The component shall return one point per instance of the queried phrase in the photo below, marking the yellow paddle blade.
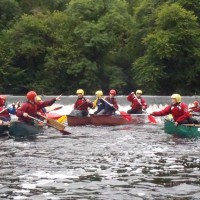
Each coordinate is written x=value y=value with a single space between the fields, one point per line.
x=56 y=124
x=62 y=119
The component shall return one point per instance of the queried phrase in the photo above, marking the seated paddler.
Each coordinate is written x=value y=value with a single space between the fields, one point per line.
x=138 y=104
x=81 y=105
x=195 y=107
x=111 y=103
x=6 y=110
x=40 y=101
x=31 y=107
x=99 y=103
x=178 y=110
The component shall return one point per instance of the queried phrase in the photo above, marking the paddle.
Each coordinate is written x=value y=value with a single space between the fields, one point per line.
x=191 y=125
x=57 y=108
x=195 y=114
x=5 y=109
x=62 y=119
x=125 y=115
x=150 y=117
x=53 y=122
x=62 y=131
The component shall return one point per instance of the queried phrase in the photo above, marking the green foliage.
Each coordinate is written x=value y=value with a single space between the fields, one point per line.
x=33 y=6
x=9 y=10
x=57 y=46
x=172 y=51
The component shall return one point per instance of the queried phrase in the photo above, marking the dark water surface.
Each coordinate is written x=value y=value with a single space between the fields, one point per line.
x=136 y=162
x=129 y=162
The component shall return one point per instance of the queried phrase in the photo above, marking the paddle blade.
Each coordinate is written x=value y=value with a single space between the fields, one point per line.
x=125 y=115
x=62 y=119
x=152 y=119
x=65 y=132
x=56 y=124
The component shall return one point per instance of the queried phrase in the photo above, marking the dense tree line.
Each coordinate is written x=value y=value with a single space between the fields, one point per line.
x=57 y=46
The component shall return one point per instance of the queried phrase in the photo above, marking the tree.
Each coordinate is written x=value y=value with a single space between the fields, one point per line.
x=9 y=10
x=171 y=48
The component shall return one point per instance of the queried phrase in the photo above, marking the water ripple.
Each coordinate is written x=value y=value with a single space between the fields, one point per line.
x=125 y=162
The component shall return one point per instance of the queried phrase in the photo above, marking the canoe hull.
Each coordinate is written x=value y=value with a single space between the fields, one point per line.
x=115 y=120
x=103 y=120
x=78 y=121
x=54 y=116
x=20 y=129
x=181 y=130
x=3 y=129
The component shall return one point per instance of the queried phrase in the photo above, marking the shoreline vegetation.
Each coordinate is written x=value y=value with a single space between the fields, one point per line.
x=58 y=46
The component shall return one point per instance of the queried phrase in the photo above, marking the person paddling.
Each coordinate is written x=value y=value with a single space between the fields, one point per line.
x=81 y=105
x=99 y=103
x=195 y=107
x=6 y=110
x=138 y=103
x=110 y=110
x=31 y=107
x=40 y=101
x=179 y=111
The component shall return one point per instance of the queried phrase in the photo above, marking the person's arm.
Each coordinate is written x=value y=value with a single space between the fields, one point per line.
x=21 y=110
x=89 y=103
x=130 y=97
x=144 y=105
x=163 y=112
x=185 y=115
x=115 y=104
x=46 y=103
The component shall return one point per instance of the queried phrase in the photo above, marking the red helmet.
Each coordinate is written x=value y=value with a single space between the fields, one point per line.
x=113 y=92
x=31 y=95
x=196 y=103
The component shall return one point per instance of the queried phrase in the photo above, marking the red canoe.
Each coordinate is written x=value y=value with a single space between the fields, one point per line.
x=104 y=120
x=114 y=120
x=53 y=116
x=78 y=121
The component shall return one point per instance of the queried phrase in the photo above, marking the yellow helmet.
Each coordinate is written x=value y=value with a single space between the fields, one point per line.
x=177 y=97
x=99 y=93
x=38 y=98
x=80 y=91
x=139 y=92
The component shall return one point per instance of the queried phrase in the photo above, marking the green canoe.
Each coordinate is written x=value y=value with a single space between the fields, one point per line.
x=3 y=128
x=188 y=131
x=20 y=129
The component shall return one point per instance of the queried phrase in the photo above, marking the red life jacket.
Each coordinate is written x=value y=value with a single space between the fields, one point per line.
x=135 y=104
x=112 y=101
x=31 y=109
x=82 y=104
x=5 y=113
x=179 y=112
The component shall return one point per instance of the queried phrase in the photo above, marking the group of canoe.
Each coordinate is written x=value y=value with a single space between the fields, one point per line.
x=32 y=114
x=181 y=122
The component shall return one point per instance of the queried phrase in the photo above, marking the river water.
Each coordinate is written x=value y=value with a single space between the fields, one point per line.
x=136 y=162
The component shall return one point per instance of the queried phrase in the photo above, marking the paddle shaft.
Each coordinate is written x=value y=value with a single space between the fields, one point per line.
x=5 y=109
x=197 y=125
x=63 y=131
x=125 y=115
x=150 y=117
x=57 y=108
x=109 y=104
